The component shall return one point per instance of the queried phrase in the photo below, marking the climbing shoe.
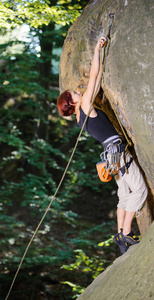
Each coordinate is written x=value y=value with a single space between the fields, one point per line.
x=122 y=245
x=129 y=238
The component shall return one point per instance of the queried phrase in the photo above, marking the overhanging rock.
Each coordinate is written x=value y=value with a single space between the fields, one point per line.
x=128 y=71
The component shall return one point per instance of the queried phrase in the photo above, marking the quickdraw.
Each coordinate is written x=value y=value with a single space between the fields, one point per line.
x=110 y=163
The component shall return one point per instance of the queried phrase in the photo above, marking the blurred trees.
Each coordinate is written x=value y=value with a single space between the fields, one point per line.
x=36 y=144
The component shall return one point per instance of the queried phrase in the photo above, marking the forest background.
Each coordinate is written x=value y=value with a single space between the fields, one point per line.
x=36 y=143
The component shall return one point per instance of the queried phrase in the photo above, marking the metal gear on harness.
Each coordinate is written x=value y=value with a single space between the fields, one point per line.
x=110 y=163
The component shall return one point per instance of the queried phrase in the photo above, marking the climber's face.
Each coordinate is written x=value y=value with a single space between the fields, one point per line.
x=76 y=96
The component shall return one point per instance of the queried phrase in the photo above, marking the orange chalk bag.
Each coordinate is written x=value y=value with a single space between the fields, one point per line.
x=102 y=172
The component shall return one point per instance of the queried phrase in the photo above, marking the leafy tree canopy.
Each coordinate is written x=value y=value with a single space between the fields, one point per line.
x=38 y=12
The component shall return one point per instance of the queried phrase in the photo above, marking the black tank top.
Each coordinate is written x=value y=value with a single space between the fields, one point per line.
x=98 y=127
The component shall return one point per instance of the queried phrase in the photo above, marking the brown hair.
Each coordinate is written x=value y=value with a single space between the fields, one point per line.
x=65 y=104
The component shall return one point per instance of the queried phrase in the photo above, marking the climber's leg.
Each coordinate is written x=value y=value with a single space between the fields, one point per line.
x=132 y=190
x=120 y=218
x=120 y=221
x=129 y=215
x=125 y=235
x=122 y=245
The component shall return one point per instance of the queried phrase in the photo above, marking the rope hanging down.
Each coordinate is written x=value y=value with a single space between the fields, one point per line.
x=70 y=159
x=54 y=196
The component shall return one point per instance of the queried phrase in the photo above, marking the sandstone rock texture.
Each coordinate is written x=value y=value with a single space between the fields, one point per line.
x=128 y=66
x=131 y=277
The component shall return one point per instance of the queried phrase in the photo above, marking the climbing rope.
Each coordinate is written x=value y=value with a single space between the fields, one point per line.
x=72 y=154
x=54 y=196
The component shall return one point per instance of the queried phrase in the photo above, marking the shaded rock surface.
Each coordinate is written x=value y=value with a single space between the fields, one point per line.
x=128 y=66
x=130 y=277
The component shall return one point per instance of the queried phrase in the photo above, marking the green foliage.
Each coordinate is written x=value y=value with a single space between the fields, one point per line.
x=86 y=263
x=77 y=289
x=36 y=144
x=92 y=265
x=37 y=13
x=106 y=243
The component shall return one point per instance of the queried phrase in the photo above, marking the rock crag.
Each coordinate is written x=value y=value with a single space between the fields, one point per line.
x=131 y=276
x=128 y=75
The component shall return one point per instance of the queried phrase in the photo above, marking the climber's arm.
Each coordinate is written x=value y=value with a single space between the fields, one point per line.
x=98 y=81
x=94 y=78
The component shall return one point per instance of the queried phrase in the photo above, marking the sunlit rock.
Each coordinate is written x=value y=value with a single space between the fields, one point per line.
x=128 y=66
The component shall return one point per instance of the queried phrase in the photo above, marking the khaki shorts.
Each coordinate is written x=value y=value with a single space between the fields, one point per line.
x=132 y=190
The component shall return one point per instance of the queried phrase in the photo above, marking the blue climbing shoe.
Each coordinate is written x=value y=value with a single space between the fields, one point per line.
x=122 y=245
x=130 y=238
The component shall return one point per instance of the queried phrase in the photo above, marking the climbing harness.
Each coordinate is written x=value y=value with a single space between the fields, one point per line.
x=111 y=156
x=106 y=174
x=110 y=163
x=110 y=159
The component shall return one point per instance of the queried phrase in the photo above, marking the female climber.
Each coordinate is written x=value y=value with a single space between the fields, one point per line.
x=132 y=190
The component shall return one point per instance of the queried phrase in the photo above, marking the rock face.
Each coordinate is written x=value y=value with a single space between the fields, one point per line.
x=131 y=277
x=129 y=84
x=128 y=65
